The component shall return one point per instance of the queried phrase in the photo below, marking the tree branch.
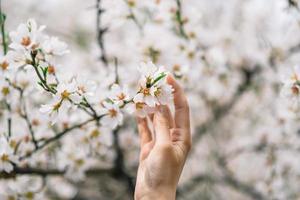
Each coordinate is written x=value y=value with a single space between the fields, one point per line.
x=101 y=32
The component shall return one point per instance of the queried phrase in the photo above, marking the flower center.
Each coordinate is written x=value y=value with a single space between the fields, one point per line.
x=95 y=133
x=4 y=158
x=5 y=91
x=26 y=41
x=51 y=69
x=121 y=96
x=157 y=92
x=56 y=106
x=65 y=94
x=176 y=67
x=139 y=106
x=79 y=162
x=29 y=195
x=35 y=122
x=112 y=113
x=295 y=90
x=146 y=91
x=4 y=65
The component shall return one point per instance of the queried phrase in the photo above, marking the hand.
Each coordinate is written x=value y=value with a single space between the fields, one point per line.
x=163 y=152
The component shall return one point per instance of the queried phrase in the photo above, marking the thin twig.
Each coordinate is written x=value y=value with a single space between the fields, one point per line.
x=101 y=32
x=60 y=135
x=179 y=20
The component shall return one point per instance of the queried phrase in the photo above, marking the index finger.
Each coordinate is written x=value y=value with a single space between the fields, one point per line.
x=182 y=114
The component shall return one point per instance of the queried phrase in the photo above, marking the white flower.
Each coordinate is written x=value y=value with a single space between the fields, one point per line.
x=140 y=109
x=7 y=156
x=291 y=88
x=27 y=37
x=119 y=95
x=163 y=92
x=67 y=91
x=53 y=46
x=5 y=66
x=150 y=70
x=65 y=97
x=112 y=115
x=146 y=95
x=86 y=88
x=19 y=59
x=153 y=87
x=5 y=89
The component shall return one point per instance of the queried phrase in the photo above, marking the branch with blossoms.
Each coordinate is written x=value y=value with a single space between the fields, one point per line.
x=32 y=49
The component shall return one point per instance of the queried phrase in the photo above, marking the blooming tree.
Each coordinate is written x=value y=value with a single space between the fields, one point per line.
x=67 y=111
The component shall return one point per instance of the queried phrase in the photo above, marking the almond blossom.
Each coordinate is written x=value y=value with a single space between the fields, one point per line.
x=7 y=157
x=112 y=115
x=291 y=88
x=27 y=37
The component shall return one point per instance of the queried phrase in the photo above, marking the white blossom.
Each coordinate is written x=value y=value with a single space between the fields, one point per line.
x=7 y=157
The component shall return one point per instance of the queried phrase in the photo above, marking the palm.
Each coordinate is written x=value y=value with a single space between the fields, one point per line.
x=164 y=151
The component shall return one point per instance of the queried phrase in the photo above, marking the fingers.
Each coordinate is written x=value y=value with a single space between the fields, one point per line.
x=182 y=116
x=170 y=118
x=162 y=125
x=144 y=131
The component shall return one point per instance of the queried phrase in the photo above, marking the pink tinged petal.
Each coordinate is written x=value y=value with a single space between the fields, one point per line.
x=150 y=101
x=138 y=98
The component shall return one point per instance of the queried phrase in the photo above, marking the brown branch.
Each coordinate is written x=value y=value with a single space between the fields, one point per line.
x=179 y=20
x=48 y=172
x=119 y=165
x=60 y=135
x=101 y=32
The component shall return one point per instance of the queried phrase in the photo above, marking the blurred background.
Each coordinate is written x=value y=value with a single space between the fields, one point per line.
x=231 y=56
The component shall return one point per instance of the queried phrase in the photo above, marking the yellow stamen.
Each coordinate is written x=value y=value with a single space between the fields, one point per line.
x=95 y=133
x=4 y=158
x=65 y=94
x=4 y=65
x=112 y=113
x=146 y=91
x=5 y=91
x=121 y=96
x=139 y=106
x=26 y=41
x=79 y=162
x=157 y=92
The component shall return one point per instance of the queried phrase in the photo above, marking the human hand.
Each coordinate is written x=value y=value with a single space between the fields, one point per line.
x=163 y=152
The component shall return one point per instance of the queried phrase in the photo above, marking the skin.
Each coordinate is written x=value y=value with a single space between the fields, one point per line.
x=164 y=149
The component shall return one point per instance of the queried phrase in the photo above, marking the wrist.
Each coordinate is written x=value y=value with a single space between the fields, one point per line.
x=161 y=194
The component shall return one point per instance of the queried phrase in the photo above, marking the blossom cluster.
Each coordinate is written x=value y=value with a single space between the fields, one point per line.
x=36 y=54
x=65 y=116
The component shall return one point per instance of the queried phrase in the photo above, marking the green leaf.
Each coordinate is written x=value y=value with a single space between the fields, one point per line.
x=161 y=76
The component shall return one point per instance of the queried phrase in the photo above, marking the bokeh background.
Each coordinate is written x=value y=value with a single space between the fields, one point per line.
x=231 y=57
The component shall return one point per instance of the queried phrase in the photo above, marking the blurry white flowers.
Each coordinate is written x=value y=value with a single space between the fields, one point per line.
x=291 y=88
x=53 y=46
x=7 y=156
